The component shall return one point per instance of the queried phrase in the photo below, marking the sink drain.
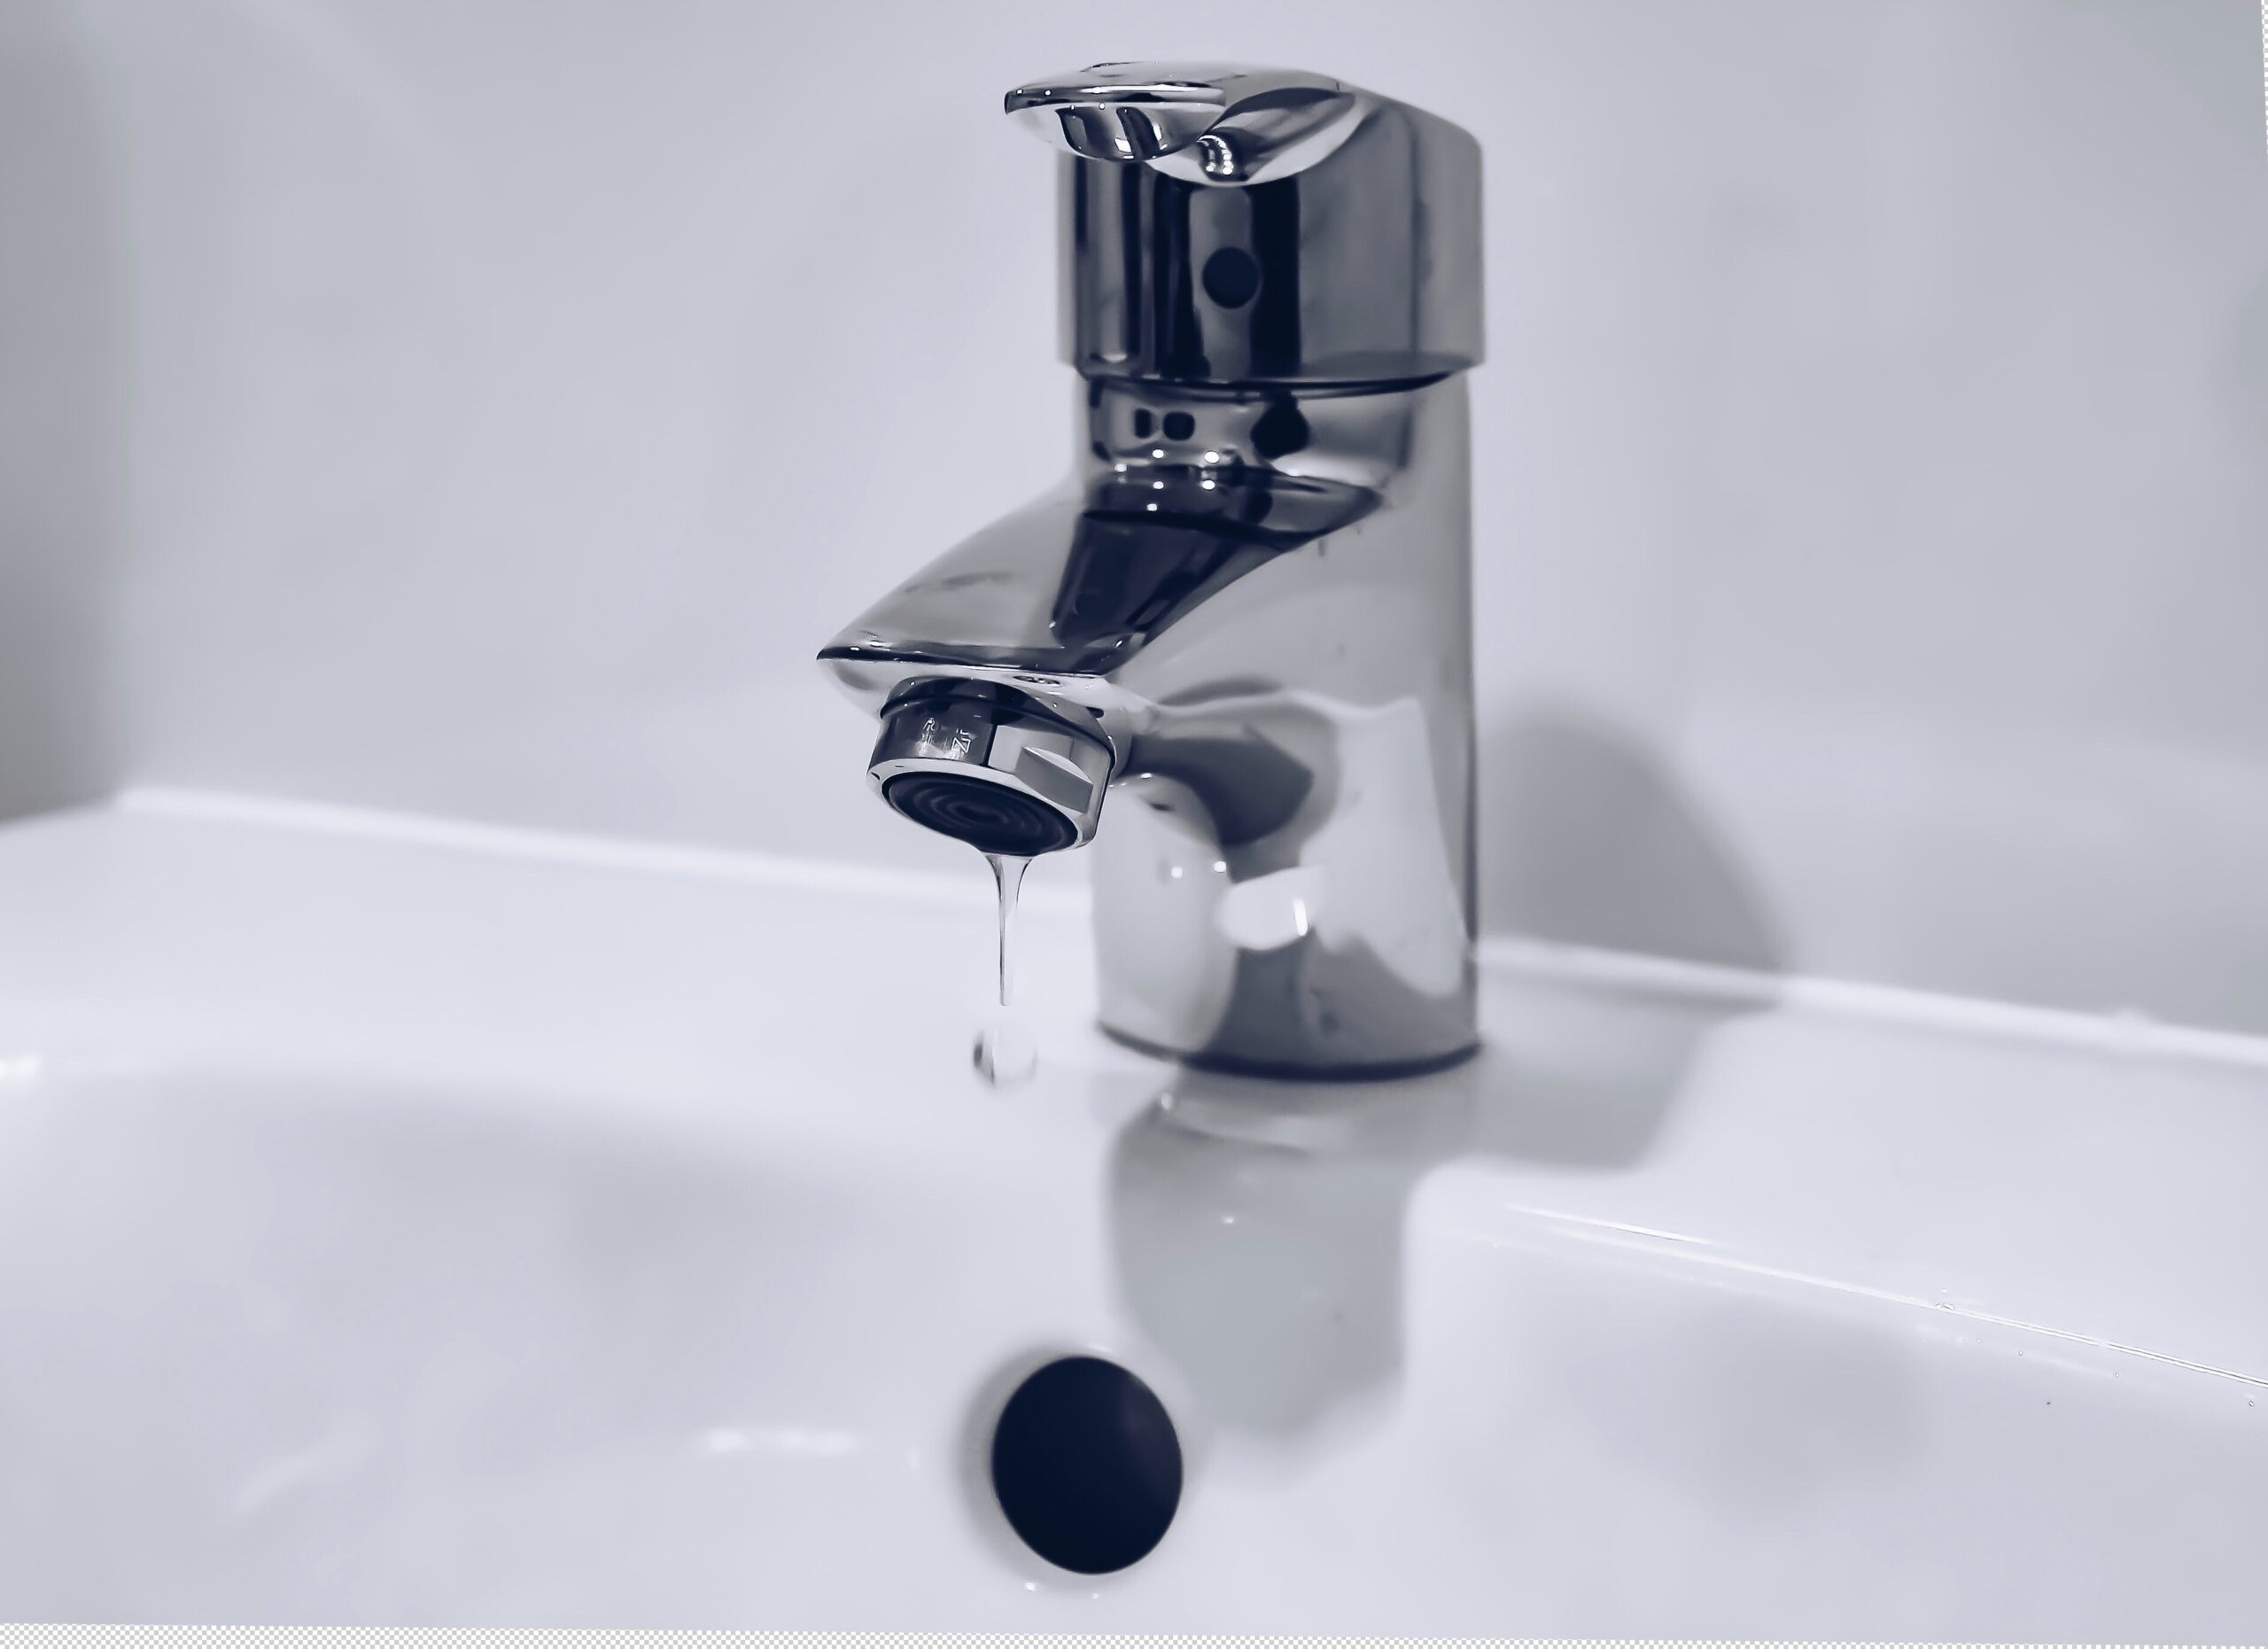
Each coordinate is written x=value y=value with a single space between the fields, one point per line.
x=1086 y=1465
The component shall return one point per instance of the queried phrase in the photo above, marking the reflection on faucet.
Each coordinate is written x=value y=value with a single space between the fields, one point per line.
x=1295 y=844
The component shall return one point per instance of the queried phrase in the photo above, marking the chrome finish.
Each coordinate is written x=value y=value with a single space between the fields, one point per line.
x=1258 y=226
x=1244 y=124
x=1248 y=607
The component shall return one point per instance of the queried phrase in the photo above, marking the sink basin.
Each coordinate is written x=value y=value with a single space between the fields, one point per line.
x=414 y=1224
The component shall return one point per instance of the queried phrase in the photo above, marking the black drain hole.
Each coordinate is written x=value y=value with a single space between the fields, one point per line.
x=1086 y=1465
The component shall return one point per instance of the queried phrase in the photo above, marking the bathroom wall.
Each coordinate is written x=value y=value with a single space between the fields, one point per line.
x=485 y=408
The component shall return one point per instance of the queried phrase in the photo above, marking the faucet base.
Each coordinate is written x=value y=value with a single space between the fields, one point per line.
x=1275 y=1070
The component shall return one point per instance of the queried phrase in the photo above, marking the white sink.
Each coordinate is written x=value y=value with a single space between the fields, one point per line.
x=402 y=1231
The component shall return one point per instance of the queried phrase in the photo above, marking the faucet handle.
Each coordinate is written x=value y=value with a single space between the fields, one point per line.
x=1203 y=123
x=1230 y=225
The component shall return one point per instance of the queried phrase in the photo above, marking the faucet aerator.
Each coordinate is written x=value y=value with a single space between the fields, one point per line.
x=990 y=818
x=987 y=767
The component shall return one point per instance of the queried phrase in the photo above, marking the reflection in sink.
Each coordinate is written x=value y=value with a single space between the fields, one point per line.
x=1604 y=1422
x=305 y=1353
x=475 y=1272
x=1258 y=1227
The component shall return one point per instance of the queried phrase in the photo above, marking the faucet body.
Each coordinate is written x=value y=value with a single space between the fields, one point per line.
x=1246 y=615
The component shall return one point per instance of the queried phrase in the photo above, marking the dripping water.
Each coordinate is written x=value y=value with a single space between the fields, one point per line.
x=1006 y=1053
x=1007 y=881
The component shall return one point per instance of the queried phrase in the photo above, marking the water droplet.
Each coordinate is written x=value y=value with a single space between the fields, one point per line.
x=1005 y=1055
x=1006 y=1052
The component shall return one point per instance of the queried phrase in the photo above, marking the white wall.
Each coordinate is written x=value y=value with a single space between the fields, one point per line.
x=486 y=408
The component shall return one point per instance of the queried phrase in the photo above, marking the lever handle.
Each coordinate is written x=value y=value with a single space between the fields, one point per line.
x=1223 y=224
x=1203 y=123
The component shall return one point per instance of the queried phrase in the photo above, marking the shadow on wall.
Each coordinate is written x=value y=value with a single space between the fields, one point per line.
x=1258 y=1227
x=1589 y=839
x=61 y=423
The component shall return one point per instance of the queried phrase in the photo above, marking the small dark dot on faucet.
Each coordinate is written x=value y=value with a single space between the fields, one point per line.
x=1180 y=426
x=1231 y=277
x=1142 y=423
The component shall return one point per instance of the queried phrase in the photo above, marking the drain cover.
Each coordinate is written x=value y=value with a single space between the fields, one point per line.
x=1086 y=1465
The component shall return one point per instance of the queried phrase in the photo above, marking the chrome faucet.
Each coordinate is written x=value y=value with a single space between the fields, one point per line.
x=1247 y=614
